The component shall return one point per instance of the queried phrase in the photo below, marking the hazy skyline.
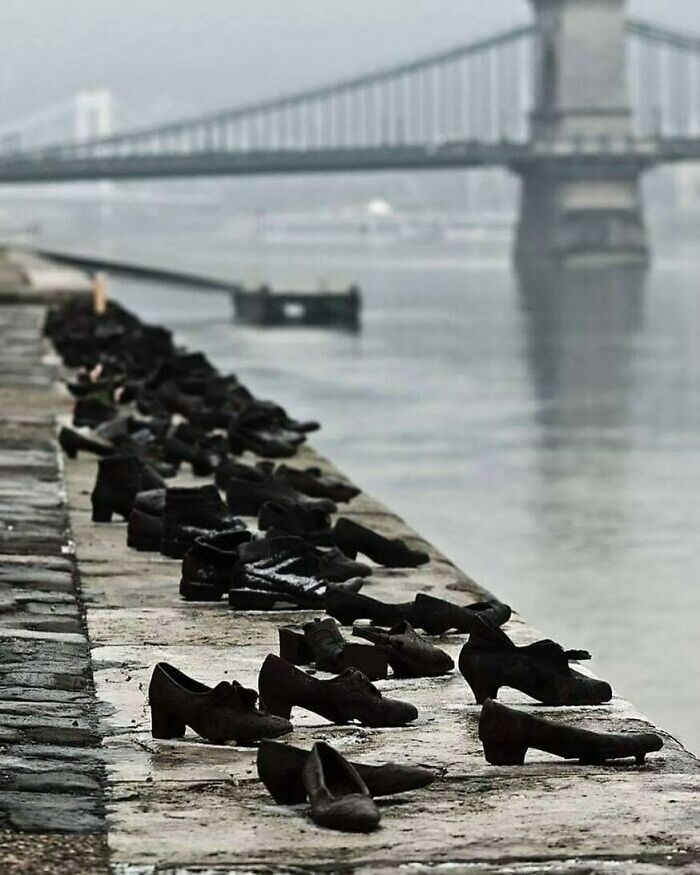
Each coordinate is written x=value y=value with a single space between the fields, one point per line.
x=174 y=57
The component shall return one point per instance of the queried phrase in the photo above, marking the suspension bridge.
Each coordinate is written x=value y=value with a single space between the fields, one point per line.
x=578 y=104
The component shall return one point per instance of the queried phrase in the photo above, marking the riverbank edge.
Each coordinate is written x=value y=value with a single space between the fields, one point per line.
x=132 y=608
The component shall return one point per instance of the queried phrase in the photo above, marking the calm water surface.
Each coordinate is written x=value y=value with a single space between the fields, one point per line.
x=546 y=437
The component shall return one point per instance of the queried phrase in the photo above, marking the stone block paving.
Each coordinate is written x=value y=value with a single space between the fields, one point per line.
x=51 y=769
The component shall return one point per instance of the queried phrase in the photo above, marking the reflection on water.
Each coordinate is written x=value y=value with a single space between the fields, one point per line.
x=544 y=432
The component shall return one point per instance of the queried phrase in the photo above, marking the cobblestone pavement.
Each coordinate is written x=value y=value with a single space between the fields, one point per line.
x=190 y=807
x=51 y=770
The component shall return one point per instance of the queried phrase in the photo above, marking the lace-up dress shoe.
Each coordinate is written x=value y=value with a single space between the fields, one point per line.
x=347 y=607
x=73 y=442
x=332 y=564
x=436 y=616
x=508 y=733
x=410 y=655
x=320 y=642
x=350 y=696
x=313 y=525
x=190 y=513
x=272 y=568
x=490 y=660
x=338 y=797
x=313 y=482
x=353 y=538
x=280 y=769
x=119 y=480
x=226 y=712
x=207 y=567
x=247 y=489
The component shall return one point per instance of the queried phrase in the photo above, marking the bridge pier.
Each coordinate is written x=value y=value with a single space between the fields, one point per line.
x=578 y=207
x=580 y=215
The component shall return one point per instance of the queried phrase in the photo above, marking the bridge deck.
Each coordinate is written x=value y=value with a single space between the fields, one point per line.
x=459 y=154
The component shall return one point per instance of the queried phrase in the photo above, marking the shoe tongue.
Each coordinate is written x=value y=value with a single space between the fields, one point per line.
x=232 y=693
x=243 y=696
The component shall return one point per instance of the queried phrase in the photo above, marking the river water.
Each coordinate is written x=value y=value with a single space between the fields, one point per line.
x=545 y=436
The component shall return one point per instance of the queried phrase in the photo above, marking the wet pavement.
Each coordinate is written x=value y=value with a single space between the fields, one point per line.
x=188 y=806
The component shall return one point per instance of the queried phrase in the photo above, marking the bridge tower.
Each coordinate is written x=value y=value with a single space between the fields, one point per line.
x=578 y=207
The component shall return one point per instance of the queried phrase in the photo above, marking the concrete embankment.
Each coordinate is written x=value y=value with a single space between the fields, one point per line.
x=85 y=619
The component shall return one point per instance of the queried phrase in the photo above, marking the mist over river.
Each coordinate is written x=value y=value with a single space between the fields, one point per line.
x=546 y=437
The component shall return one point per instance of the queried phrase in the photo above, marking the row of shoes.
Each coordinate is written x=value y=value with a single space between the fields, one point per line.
x=144 y=408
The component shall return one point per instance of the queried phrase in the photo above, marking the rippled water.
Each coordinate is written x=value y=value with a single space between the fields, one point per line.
x=545 y=435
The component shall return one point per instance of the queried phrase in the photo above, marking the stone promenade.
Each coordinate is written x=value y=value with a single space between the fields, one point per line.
x=84 y=787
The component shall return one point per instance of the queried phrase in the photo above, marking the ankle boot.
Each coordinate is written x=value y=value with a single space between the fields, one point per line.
x=247 y=489
x=188 y=510
x=350 y=696
x=338 y=797
x=226 y=712
x=207 y=567
x=280 y=769
x=490 y=660
x=272 y=567
x=410 y=656
x=353 y=538
x=313 y=482
x=347 y=607
x=320 y=642
x=507 y=733
x=119 y=480
x=331 y=565
x=436 y=616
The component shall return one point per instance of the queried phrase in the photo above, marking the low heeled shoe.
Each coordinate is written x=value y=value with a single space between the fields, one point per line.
x=409 y=654
x=350 y=696
x=490 y=660
x=280 y=769
x=321 y=642
x=226 y=712
x=338 y=797
x=354 y=538
x=508 y=733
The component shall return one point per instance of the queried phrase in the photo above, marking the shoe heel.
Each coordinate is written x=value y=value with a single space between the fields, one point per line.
x=164 y=725
x=293 y=647
x=70 y=450
x=275 y=704
x=499 y=753
x=101 y=513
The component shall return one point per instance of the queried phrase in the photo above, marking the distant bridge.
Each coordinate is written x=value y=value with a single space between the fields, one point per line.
x=578 y=104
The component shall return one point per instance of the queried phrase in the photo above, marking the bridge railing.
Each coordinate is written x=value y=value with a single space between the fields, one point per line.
x=479 y=91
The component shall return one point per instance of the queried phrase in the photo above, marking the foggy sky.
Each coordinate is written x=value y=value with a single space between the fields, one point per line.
x=167 y=58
